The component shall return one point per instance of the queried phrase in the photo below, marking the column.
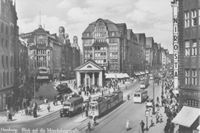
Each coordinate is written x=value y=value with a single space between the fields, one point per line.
x=100 y=79
x=93 y=79
x=78 y=79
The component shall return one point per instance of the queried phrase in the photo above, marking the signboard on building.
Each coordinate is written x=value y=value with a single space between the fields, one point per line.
x=174 y=4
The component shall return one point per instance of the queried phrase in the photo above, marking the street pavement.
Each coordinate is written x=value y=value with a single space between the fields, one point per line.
x=52 y=120
x=114 y=121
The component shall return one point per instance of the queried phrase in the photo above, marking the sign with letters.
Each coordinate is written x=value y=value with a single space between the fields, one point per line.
x=174 y=5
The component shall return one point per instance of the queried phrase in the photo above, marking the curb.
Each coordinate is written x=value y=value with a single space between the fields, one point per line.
x=25 y=121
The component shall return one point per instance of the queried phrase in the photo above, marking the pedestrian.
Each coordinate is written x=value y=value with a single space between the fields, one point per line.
x=142 y=125
x=48 y=107
x=127 y=125
x=89 y=126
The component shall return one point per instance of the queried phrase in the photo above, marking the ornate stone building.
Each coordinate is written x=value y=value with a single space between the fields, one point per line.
x=44 y=50
x=189 y=65
x=107 y=44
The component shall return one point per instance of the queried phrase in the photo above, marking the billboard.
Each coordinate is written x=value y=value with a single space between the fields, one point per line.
x=174 y=5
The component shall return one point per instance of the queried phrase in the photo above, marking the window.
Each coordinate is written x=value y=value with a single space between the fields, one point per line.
x=194 y=48
x=193 y=17
x=6 y=43
x=2 y=42
x=112 y=33
x=2 y=27
x=199 y=16
x=194 y=77
x=187 y=19
x=8 y=78
x=4 y=79
x=2 y=59
x=187 y=48
x=187 y=77
x=6 y=61
x=113 y=40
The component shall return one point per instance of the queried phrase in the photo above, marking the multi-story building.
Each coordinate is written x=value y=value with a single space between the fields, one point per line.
x=22 y=71
x=134 y=59
x=8 y=44
x=76 y=55
x=106 y=43
x=141 y=38
x=189 y=65
x=44 y=51
x=70 y=54
x=149 y=51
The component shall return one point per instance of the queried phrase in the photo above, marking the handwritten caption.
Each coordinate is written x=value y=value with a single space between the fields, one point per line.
x=41 y=130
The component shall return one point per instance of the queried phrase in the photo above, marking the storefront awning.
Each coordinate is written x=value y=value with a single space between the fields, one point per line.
x=186 y=116
x=42 y=77
x=198 y=128
x=116 y=75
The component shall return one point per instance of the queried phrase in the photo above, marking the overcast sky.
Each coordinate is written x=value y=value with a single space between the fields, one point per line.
x=152 y=17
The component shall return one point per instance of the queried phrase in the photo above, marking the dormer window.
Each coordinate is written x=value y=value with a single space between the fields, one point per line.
x=113 y=34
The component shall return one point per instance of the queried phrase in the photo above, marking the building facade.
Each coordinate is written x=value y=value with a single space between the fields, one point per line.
x=189 y=61
x=70 y=55
x=44 y=52
x=8 y=41
x=149 y=51
x=107 y=44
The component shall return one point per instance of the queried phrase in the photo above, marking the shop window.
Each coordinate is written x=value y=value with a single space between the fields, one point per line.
x=194 y=17
x=187 y=19
x=187 y=77
x=187 y=48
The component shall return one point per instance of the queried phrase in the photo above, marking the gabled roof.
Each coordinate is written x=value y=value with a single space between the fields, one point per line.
x=90 y=65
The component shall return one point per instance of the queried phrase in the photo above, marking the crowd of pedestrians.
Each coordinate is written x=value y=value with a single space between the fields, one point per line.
x=170 y=104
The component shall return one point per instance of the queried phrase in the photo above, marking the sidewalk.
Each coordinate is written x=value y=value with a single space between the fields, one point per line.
x=158 y=127
x=21 y=117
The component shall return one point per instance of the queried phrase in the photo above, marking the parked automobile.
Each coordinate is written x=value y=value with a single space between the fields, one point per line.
x=149 y=103
x=63 y=88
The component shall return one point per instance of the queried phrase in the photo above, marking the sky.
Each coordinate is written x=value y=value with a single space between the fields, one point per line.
x=152 y=17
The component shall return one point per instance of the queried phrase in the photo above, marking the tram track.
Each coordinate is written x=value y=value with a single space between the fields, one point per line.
x=109 y=117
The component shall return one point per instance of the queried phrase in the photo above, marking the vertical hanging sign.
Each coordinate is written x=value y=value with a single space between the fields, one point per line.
x=174 y=5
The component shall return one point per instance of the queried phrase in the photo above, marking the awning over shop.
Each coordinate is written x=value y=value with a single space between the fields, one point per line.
x=42 y=77
x=186 y=116
x=139 y=73
x=116 y=75
x=198 y=128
